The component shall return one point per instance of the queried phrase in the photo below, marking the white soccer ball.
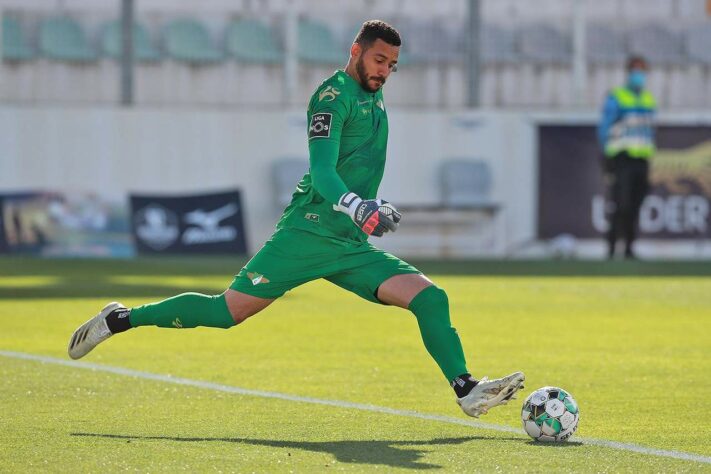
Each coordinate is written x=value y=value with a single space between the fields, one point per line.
x=563 y=246
x=550 y=414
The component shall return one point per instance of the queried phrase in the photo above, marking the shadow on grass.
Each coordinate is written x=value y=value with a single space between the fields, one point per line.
x=111 y=279
x=393 y=453
x=546 y=445
x=103 y=288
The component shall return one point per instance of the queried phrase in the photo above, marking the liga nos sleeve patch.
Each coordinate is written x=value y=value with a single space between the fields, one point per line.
x=320 y=125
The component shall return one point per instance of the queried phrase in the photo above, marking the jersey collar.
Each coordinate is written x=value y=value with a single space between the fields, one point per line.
x=351 y=83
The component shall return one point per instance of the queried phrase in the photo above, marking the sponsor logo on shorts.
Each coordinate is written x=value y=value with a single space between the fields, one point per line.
x=257 y=278
x=178 y=323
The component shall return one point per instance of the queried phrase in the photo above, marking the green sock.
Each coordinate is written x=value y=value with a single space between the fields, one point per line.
x=431 y=307
x=188 y=310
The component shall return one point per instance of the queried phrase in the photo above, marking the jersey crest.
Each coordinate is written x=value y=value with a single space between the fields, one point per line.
x=329 y=94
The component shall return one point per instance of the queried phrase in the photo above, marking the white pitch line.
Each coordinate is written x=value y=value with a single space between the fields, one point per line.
x=342 y=404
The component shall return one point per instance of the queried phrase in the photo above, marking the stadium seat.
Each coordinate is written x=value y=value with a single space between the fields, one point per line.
x=604 y=45
x=430 y=42
x=286 y=174
x=15 y=46
x=63 y=39
x=317 y=44
x=656 y=43
x=697 y=43
x=189 y=41
x=466 y=183
x=253 y=41
x=541 y=43
x=498 y=45
x=143 y=49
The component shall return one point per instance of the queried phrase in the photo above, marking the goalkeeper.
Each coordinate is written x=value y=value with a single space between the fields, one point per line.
x=324 y=233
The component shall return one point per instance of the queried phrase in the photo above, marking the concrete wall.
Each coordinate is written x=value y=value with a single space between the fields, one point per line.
x=116 y=151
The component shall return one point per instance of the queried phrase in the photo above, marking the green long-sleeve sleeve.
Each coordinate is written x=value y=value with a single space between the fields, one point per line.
x=324 y=148
x=323 y=156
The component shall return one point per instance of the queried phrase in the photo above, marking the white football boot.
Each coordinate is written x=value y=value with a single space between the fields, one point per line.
x=91 y=333
x=490 y=393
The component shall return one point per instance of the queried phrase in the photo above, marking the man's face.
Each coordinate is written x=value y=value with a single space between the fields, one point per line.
x=375 y=64
x=637 y=74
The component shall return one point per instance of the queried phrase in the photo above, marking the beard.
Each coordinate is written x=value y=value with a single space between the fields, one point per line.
x=363 y=77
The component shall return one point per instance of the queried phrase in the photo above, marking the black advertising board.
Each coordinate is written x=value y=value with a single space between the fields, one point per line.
x=571 y=194
x=189 y=224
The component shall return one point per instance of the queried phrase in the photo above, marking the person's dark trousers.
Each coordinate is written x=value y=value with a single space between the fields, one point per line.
x=629 y=185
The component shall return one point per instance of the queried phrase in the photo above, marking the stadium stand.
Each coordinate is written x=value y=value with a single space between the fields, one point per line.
x=499 y=58
x=252 y=41
x=697 y=43
x=526 y=50
x=189 y=41
x=63 y=39
x=143 y=49
x=498 y=45
x=604 y=45
x=15 y=46
x=545 y=73
x=658 y=44
x=605 y=52
x=543 y=44
x=317 y=44
x=430 y=42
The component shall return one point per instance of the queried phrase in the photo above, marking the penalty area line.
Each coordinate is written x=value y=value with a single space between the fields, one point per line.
x=341 y=404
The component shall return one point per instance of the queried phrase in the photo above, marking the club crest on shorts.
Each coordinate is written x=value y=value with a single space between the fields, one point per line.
x=257 y=278
x=320 y=125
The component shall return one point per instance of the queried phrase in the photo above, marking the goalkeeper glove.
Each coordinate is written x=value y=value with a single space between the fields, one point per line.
x=373 y=216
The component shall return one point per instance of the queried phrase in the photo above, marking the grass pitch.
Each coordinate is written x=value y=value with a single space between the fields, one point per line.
x=631 y=342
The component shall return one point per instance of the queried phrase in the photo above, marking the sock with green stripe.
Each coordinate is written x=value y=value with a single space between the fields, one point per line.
x=431 y=308
x=188 y=310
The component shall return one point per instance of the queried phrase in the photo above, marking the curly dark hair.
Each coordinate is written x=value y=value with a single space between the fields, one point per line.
x=377 y=29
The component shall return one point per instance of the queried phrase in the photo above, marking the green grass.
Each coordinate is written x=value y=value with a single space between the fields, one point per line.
x=631 y=343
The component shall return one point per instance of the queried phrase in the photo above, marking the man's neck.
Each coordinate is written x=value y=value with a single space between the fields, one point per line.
x=351 y=71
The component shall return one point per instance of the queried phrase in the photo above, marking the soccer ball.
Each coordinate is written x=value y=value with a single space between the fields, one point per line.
x=550 y=414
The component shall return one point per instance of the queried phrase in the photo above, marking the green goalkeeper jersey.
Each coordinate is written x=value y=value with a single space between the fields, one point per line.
x=347 y=134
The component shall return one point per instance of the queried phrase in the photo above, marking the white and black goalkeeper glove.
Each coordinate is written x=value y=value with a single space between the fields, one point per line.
x=373 y=216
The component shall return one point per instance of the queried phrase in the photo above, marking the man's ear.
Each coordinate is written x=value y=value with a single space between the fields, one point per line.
x=356 y=50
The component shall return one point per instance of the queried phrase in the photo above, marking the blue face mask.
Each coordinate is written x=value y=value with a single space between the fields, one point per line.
x=637 y=79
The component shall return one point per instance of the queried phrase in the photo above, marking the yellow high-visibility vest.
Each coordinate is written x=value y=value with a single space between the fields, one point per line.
x=633 y=132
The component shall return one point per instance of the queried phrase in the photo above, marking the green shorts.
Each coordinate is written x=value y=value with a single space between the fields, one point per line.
x=293 y=257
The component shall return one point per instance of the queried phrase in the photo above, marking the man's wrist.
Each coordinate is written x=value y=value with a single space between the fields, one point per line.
x=348 y=203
